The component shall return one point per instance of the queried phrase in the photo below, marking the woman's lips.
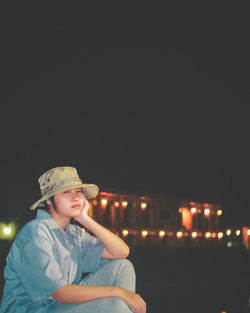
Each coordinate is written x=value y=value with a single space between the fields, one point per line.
x=76 y=206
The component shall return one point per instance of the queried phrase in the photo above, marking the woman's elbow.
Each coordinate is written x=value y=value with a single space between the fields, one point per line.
x=58 y=295
x=125 y=252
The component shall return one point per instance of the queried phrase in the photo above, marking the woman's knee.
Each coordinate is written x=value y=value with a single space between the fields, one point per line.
x=124 y=274
x=124 y=264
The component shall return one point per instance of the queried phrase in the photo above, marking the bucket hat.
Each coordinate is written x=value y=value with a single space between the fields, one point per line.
x=60 y=179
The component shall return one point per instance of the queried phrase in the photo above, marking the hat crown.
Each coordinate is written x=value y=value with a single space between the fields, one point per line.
x=58 y=177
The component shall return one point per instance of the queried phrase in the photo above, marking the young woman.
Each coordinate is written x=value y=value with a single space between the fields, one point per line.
x=47 y=260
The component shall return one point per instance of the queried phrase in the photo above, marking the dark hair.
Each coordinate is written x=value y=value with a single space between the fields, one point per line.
x=44 y=205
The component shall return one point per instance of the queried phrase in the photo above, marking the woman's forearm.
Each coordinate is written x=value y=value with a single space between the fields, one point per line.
x=79 y=293
x=115 y=247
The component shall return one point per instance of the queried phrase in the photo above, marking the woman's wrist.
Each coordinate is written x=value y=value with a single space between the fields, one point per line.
x=118 y=292
x=83 y=219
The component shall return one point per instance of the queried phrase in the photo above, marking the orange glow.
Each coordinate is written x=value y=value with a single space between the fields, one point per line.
x=194 y=234
x=117 y=204
x=214 y=235
x=143 y=205
x=179 y=234
x=193 y=210
x=220 y=235
x=208 y=234
x=207 y=212
x=124 y=204
x=125 y=232
x=219 y=212
x=187 y=219
x=144 y=233
x=162 y=233
x=104 y=202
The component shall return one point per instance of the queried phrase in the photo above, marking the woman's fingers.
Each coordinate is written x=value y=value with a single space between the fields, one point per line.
x=137 y=303
x=141 y=305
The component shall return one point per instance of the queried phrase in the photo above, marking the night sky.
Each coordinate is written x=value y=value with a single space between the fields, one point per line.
x=136 y=96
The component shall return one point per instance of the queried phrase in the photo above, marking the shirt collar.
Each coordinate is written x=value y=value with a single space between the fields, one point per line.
x=48 y=219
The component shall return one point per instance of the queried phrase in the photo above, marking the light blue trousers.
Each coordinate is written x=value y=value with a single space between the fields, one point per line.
x=118 y=272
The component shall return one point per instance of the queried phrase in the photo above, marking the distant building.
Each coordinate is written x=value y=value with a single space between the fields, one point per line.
x=157 y=219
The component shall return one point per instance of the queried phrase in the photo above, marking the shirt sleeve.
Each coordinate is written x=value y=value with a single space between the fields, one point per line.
x=38 y=270
x=91 y=253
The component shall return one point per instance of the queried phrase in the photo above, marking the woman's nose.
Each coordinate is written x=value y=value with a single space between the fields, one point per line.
x=76 y=195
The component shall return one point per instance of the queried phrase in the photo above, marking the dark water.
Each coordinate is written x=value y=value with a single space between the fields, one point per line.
x=197 y=297
x=192 y=280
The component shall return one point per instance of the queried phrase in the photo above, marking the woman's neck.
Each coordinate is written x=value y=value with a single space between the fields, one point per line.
x=62 y=221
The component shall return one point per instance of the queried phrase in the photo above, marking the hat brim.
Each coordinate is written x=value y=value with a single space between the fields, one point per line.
x=89 y=190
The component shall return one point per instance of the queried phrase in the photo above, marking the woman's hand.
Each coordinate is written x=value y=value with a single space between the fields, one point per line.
x=114 y=246
x=133 y=300
x=84 y=212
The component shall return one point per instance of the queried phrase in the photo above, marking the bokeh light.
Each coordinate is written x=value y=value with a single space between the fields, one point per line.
x=7 y=231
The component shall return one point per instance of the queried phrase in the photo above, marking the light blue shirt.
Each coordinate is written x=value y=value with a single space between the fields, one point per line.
x=42 y=259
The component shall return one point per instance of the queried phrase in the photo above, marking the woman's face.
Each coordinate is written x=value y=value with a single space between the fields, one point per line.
x=69 y=203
